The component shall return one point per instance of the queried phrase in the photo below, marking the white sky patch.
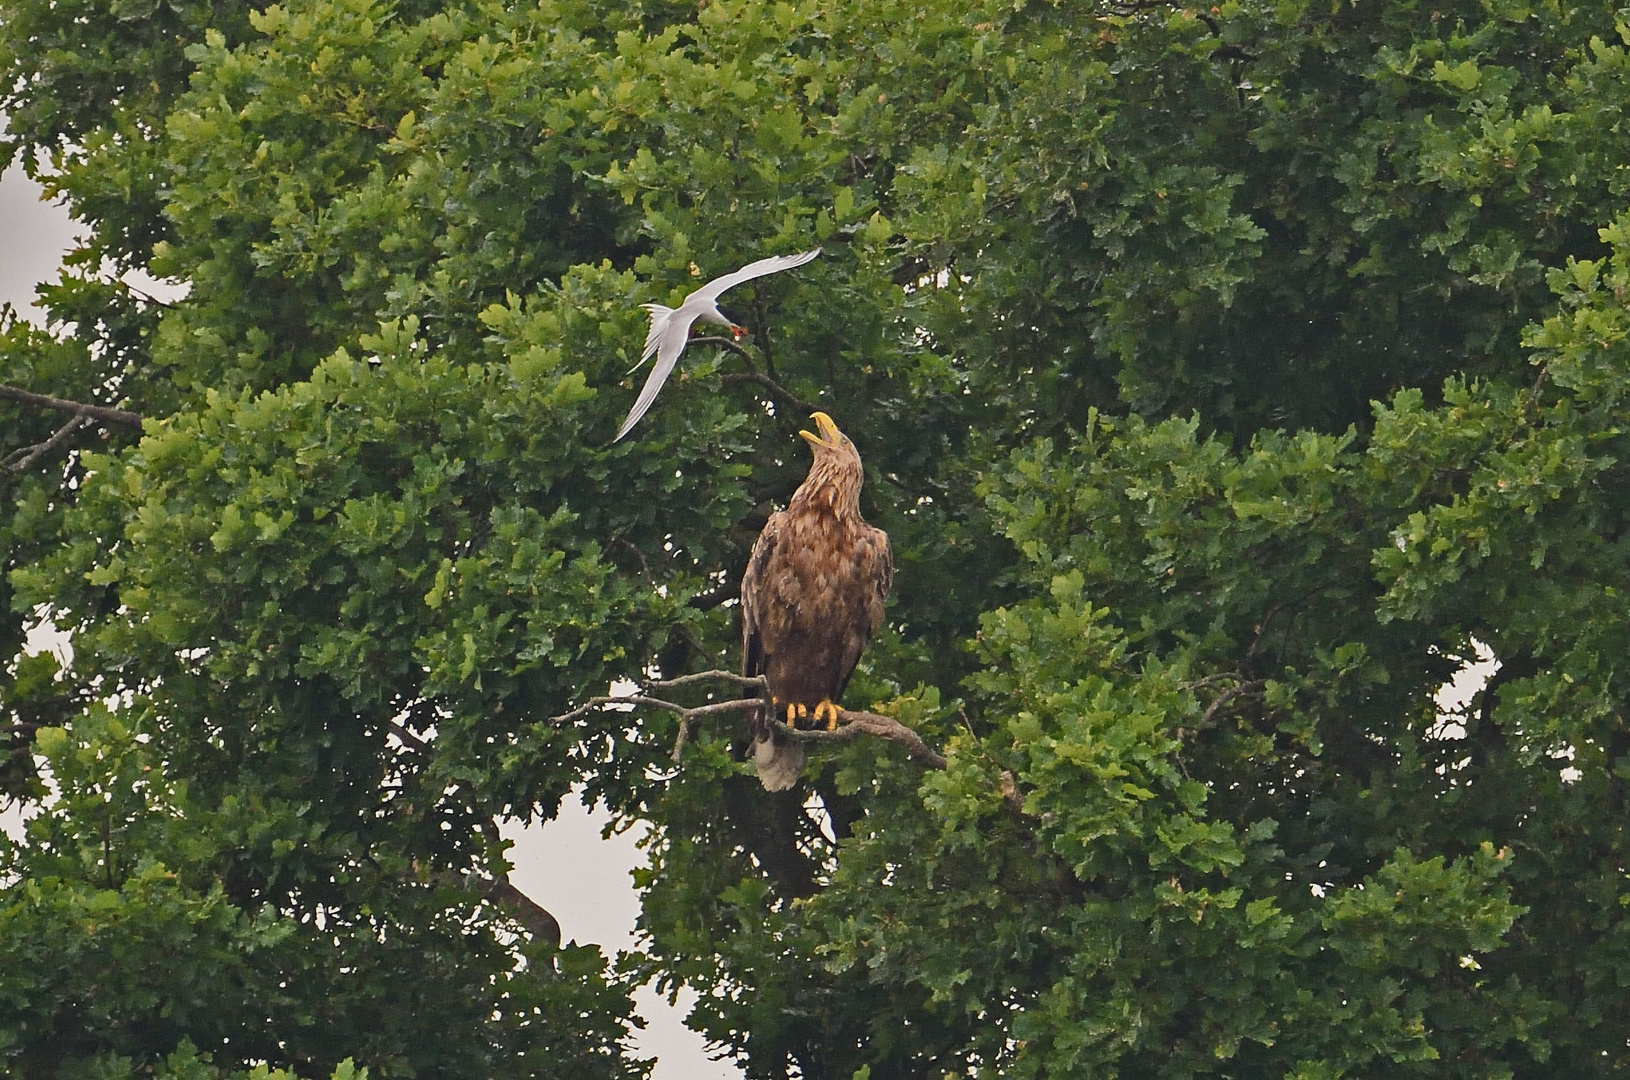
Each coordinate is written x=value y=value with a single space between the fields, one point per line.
x=37 y=235
x=586 y=882
x=1454 y=696
x=43 y=636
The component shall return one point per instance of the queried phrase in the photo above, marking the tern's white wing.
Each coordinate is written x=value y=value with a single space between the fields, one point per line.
x=670 y=330
x=773 y=265
x=670 y=327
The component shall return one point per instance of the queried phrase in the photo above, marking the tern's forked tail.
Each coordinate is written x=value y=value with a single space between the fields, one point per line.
x=653 y=337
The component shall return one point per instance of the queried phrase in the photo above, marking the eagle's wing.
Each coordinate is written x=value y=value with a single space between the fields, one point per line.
x=773 y=265
x=777 y=758
x=882 y=575
x=874 y=560
x=755 y=601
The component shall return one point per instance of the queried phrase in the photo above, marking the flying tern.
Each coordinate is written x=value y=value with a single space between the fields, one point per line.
x=670 y=327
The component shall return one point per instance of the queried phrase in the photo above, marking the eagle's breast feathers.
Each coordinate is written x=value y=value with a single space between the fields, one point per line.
x=811 y=598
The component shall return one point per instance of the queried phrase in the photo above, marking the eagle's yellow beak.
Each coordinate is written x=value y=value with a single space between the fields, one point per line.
x=829 y=432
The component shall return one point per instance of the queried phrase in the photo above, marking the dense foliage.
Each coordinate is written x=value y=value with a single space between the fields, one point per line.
x=1227 y=377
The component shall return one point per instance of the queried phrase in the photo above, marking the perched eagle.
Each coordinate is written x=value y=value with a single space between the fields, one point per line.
x=811 y=599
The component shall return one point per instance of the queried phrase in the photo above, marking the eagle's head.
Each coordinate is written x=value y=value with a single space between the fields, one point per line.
x=835 y=475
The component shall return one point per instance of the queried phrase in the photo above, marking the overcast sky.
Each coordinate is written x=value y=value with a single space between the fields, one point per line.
x=582 y=879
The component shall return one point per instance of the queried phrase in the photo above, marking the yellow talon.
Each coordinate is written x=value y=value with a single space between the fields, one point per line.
x=792 y=715
x=830 y=711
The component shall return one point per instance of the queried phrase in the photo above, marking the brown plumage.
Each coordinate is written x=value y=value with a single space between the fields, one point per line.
x=811 y=599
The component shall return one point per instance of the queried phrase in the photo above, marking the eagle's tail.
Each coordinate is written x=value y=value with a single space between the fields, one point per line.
x=779 y=759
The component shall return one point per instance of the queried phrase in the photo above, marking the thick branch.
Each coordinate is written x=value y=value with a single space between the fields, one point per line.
x=851 y=724
x=498 y=890
x=526 y=911
x=408 y=737
x=95 y=412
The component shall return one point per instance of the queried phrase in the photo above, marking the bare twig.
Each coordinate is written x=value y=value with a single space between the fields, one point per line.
x=1252 y=687
x=95 y=412
x=23 y=458
x=752 y=681
x=678 y=754
x=1211 y=680
x=147 y=296
x=645 y=566
x=775 y=389
x=728 y=344
x=752 y=374
x=596 y=703
x=850 y=723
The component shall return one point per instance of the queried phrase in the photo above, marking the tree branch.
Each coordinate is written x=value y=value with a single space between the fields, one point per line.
x=80 y=408
x=752 y=374
x=596 y=703
x=775 y=389
x=850 y=723
x=525 y=910
x=728 y=344
x=498 y=891
x=753 y=682
x=1251 y=688
x=24 y=457
x=402 y=732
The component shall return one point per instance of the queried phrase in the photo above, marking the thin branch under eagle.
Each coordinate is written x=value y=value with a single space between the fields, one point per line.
x=851 y=723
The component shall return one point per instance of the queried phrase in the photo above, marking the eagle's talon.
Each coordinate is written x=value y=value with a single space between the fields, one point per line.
x=829 y=711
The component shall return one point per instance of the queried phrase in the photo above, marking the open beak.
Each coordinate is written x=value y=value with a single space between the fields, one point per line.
x=829 y=432
x=738 y=332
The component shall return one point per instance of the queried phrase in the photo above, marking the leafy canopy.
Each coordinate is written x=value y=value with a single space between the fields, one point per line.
x=1227 y=378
